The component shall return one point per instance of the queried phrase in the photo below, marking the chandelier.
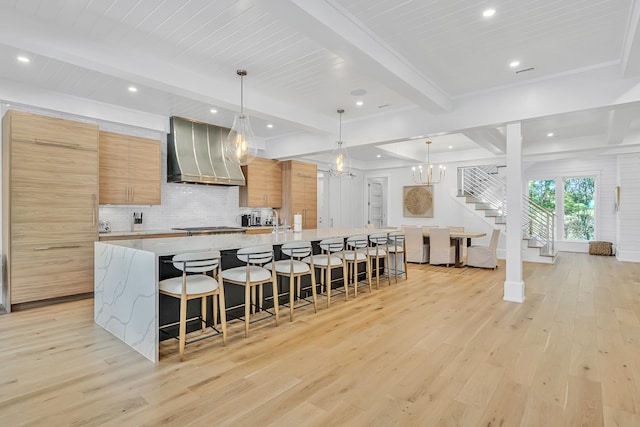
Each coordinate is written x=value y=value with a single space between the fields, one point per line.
x=340 y=160
x=241 y=146
x=424 y=173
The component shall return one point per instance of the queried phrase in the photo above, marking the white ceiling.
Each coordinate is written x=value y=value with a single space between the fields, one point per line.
x=306 y=58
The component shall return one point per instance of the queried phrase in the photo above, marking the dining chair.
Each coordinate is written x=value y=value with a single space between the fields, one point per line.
x=253 y=275
x=416 y=248
x=484 y=256
x=195 y=283
x=294 y=268
x=441 y=250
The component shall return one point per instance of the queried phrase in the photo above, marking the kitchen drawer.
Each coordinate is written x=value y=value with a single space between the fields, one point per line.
x=52 y=131
x=47 y=270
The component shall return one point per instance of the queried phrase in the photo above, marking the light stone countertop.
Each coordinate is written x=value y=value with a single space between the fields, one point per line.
x=139 y=233
x=175 y=245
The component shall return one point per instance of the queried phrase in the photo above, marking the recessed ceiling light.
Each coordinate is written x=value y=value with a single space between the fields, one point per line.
x=24 y=59
x=489 y=13
x=213 y=111
x=359 y=103
x=133 y=89
x=514 y=64
x=550 y=134
x=378 y=155
x=269 y=125
x=450 y=147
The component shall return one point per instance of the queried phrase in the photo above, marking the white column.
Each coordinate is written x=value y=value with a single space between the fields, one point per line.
x=513 y=285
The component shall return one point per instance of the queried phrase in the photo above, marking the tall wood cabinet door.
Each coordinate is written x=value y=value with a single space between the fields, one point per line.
x=144 y=171
x=311 y=202
x=52 y=131
x=53 y=194
x=274 y=184
x=114 y=169
x=252 y=195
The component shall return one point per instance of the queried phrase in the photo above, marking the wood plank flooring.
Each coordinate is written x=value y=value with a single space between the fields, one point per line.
x=441 y=349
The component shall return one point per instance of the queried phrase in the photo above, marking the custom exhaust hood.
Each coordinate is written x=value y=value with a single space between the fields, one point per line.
x=195 y=154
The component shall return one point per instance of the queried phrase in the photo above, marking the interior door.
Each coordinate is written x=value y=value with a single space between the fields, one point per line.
x=375 y=204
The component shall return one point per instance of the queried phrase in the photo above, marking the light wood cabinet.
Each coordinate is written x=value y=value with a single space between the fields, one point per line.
x=263 y=188
x=299 y=192
x=50 y=206
x=129 y=170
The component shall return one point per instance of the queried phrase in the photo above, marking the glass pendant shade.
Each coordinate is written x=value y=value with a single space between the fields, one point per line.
x=241 y=146
x=340 y=161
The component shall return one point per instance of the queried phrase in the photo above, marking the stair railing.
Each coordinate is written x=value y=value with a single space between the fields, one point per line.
x=537 y=221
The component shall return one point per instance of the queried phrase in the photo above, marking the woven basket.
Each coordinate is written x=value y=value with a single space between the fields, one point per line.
x=600 y=248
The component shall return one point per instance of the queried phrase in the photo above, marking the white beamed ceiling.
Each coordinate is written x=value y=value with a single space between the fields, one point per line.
x=428 y=67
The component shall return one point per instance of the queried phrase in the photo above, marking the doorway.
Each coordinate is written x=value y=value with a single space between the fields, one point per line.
x=376 y=202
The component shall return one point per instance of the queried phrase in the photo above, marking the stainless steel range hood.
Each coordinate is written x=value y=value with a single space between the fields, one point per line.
x=195 y=154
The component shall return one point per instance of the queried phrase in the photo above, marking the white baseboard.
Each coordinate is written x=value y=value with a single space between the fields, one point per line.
x=514 y=291
x=627 y=256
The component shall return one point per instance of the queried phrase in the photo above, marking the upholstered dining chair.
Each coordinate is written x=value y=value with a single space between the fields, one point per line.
x=484 y=256
x=441 y=250
x=195 y=283
x=417 y=249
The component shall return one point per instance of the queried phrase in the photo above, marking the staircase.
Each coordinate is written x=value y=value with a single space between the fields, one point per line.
x=481 y=189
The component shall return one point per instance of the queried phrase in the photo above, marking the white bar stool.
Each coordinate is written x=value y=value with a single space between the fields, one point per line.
x=354 y=254
x=396 y=247
x=195 y=283
x=378 y=250
x=293 y=268
x=253 y=275
x=330 y=258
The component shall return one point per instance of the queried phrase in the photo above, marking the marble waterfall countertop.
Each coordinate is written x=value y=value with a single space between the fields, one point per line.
x=126 y=275
x=220 y=242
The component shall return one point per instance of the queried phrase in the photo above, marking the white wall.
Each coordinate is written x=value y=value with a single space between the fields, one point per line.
x=629 y=212
x=449 y=212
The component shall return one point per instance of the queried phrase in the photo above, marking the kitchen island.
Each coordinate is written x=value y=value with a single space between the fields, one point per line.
x=127 y=272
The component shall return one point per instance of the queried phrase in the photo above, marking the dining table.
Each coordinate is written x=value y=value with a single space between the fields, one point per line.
x=458 y=237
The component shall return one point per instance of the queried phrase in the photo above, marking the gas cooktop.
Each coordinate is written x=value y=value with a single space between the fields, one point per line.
x=216 y=228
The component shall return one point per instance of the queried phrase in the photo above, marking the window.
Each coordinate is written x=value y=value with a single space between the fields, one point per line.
x=543 y=193
x=579 y=219
x=577 y=213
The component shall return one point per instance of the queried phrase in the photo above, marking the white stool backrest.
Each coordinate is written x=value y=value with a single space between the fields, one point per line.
x=332 y=245
x=357 y=242
x=298 y=249
x=378 y=238
x=396 y=239
x=256 y=254
x=197 y=262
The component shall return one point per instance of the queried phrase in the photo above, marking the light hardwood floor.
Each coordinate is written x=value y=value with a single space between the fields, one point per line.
x=442 y=348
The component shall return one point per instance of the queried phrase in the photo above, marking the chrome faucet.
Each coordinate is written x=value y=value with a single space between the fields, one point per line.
x=275 y=224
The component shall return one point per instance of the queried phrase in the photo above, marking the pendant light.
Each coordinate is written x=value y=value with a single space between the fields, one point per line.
x=340 y=160
x=241 y=146
x=425 y=175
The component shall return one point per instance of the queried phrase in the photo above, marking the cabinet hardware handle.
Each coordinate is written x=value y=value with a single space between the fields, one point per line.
x=93 y=210
x=133 y=194
x=126 y=193
x=56 y=143
x=57 y=247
